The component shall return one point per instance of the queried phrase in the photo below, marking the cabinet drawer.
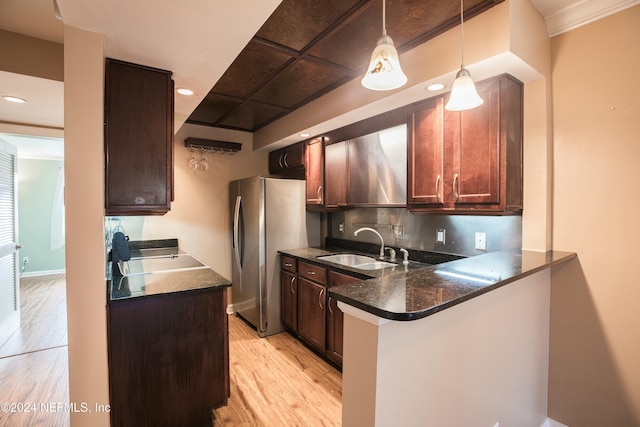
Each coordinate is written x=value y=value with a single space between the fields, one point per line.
x=287 y=263
x=313 y=272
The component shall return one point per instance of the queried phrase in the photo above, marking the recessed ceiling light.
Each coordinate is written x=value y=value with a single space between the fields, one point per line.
x=304 y=135
x=14 y=99
x=435 y=86
x=185 y=91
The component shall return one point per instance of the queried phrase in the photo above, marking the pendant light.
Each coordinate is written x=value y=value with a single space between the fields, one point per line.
x=384 y=72
x=463 y=92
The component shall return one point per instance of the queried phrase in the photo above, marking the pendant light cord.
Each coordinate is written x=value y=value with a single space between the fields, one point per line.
x=384 y=22
x=462 y=32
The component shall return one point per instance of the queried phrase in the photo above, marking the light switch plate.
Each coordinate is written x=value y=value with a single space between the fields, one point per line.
x=481 y=241
x=441 y=234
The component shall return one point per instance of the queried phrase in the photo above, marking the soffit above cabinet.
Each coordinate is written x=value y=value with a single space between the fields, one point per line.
x=308 y=48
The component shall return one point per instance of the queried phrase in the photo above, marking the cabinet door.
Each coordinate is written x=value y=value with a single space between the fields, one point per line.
x=336 y=175
x=289 y=300
x=474 y=138
x=335 y=318
x=294 y=156
x=168 y=358
x=312 y=309
x=315 y=172
x=288 y=161
x=425 y=180
x=138 y=139
x=275 y=161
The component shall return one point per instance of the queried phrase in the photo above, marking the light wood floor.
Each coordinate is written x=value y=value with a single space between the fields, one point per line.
x=34 y=361
x=274 y=380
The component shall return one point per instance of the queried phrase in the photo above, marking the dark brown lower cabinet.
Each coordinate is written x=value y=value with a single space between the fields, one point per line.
x=312 y=312
x=168 y=358
x=306 y=308
x=289 y=299
x=335 y=318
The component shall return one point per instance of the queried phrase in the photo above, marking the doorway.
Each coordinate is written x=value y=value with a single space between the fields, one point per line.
x=33 y=357
x=32 y=234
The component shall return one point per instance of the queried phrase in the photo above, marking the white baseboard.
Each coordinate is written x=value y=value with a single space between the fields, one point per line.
x=552 y=423
x=42 y=273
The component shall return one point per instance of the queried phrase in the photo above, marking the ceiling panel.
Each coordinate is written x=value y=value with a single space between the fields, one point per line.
x=299 y=82
x=250 y=70
x=296 y=23
x=250 y=115
x=309 y=47
x=213 y=108
x=351 y=45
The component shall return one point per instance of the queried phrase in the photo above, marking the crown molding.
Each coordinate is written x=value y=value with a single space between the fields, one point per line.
x=584 y=12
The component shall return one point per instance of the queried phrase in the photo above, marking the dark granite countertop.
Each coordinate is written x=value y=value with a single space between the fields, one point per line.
x=418 y=293
x=190 y=275
x=313 y=254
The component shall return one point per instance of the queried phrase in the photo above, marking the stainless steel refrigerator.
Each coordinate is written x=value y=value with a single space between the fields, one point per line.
x=268 y=215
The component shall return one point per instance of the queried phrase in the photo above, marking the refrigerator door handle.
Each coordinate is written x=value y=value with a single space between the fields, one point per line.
x=236 y=241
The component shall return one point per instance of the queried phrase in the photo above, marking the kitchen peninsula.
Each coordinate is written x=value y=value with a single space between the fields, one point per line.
x=459 y=343
x=167 y=338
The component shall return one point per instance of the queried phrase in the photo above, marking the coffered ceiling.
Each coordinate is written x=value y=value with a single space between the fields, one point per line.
x=308 y=48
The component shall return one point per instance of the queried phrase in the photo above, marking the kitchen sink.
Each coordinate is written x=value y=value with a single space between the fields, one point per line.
x=348 y=259
x=154 y=264
x=376 y=265
x=361 y=262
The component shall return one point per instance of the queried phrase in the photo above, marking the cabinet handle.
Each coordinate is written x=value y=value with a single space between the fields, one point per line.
x=320 y=298
x=456 y=194
x=311 y=273
x=288 y=264
x=284 y=160
x=293 y=279
x=329 y=305
x=280 y=160
x=438 y=188
x=319 y=194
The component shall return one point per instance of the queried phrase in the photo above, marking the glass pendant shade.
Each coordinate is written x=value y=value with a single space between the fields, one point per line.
x=464 y=95
x=384 y=72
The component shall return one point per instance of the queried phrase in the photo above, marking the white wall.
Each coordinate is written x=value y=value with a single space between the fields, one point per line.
x=84 y=203
x=595 y=349
x=474 y=364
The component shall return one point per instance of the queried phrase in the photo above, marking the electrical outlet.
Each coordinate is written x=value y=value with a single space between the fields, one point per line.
x=25 y=260
x=481 y=241
x=398 y=232
x=441 y=235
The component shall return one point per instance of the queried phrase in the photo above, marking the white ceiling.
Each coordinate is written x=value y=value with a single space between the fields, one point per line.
x=197 y=41
x=36 y=147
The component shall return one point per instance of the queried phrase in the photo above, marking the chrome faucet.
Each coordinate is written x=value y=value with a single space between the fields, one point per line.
x=405 y=252
x=355 y=233
x=392 y=253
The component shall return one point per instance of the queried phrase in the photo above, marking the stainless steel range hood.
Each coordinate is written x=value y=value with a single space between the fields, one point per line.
x=378 y=168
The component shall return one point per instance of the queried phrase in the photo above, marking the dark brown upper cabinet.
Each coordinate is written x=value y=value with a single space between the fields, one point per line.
x=469 y=161
x=336 y=175
x=314 y=173
x=425 y=154
x=288 y=161
x=138 y=138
